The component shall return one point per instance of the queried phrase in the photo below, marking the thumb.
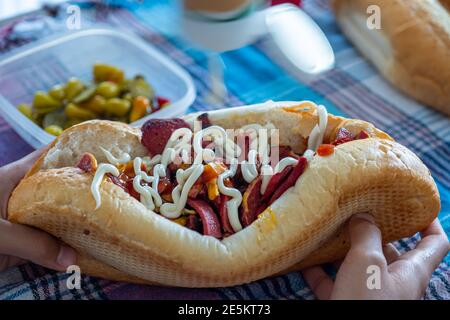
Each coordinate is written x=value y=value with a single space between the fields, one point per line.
x=35 y=245
x=365 y=241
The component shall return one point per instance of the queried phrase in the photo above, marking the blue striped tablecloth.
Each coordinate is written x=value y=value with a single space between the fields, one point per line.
x=352 y=89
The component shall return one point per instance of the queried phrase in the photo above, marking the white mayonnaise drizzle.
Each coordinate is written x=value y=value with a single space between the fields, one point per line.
x=185 y=179
x=318 y=132
x=234 y=203
x=149 y=196
x=124 y=158
x=267 y=172
x=102 y=169
x=248 y=167
x=179 y=146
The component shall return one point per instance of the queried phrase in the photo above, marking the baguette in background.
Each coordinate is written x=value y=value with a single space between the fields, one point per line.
x=412 y=49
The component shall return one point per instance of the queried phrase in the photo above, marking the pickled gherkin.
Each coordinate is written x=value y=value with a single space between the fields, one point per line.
x=139 y=87
x=73 y=88
x=75 y=112
x=105 y=72
x=57 y=92
x=117 y=107
x=110 y=95
x=95 y=104
x=85 y=95
x=108 y=89
x=44 y=102
x=54 y=130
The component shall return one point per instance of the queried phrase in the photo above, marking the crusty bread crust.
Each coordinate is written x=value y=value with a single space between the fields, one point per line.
x=411 y=50
x=129 y=242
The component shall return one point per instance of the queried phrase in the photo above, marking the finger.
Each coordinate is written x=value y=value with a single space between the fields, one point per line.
x=319 y=282
x=365 y=241
x=421 y=262
x=35 y=245
x=390 y=252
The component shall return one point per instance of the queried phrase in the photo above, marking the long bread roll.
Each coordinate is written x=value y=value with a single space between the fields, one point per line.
x=412 y=47
x=123 y=240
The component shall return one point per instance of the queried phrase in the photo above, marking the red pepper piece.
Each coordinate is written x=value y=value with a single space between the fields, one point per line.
x=223 y=213
x=325 y=150
x=290 y=180
x=275 y=181
x=164 y=185
x=162 y=101
x=251 y=201
x=343 y=136
x=210 y=222
x=87 y=163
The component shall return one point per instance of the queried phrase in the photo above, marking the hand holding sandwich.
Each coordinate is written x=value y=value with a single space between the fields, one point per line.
x=401 y=276
x=20 y=243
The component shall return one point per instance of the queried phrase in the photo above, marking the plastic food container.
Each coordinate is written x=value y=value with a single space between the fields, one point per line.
x=55 y=59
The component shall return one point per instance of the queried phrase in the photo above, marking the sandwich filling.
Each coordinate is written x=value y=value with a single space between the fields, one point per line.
x=211 y=180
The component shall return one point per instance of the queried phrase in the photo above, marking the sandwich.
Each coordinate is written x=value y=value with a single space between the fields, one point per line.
x=224 y=197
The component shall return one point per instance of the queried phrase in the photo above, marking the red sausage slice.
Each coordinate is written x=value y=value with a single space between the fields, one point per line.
x=251 y=202
x=210 y=222
x=275 y=182
x=156 y=133
x=290 y=180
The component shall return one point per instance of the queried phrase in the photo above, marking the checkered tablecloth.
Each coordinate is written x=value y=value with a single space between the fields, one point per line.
x=352 y=89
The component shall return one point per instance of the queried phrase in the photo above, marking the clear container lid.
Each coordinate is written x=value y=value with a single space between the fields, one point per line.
x=54 y=60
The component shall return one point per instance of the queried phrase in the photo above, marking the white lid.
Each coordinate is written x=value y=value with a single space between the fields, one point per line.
x=297 y=36
x=300 y=39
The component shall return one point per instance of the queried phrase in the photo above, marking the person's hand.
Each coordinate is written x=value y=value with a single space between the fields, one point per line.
x=20 y=243
x=401 y=276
